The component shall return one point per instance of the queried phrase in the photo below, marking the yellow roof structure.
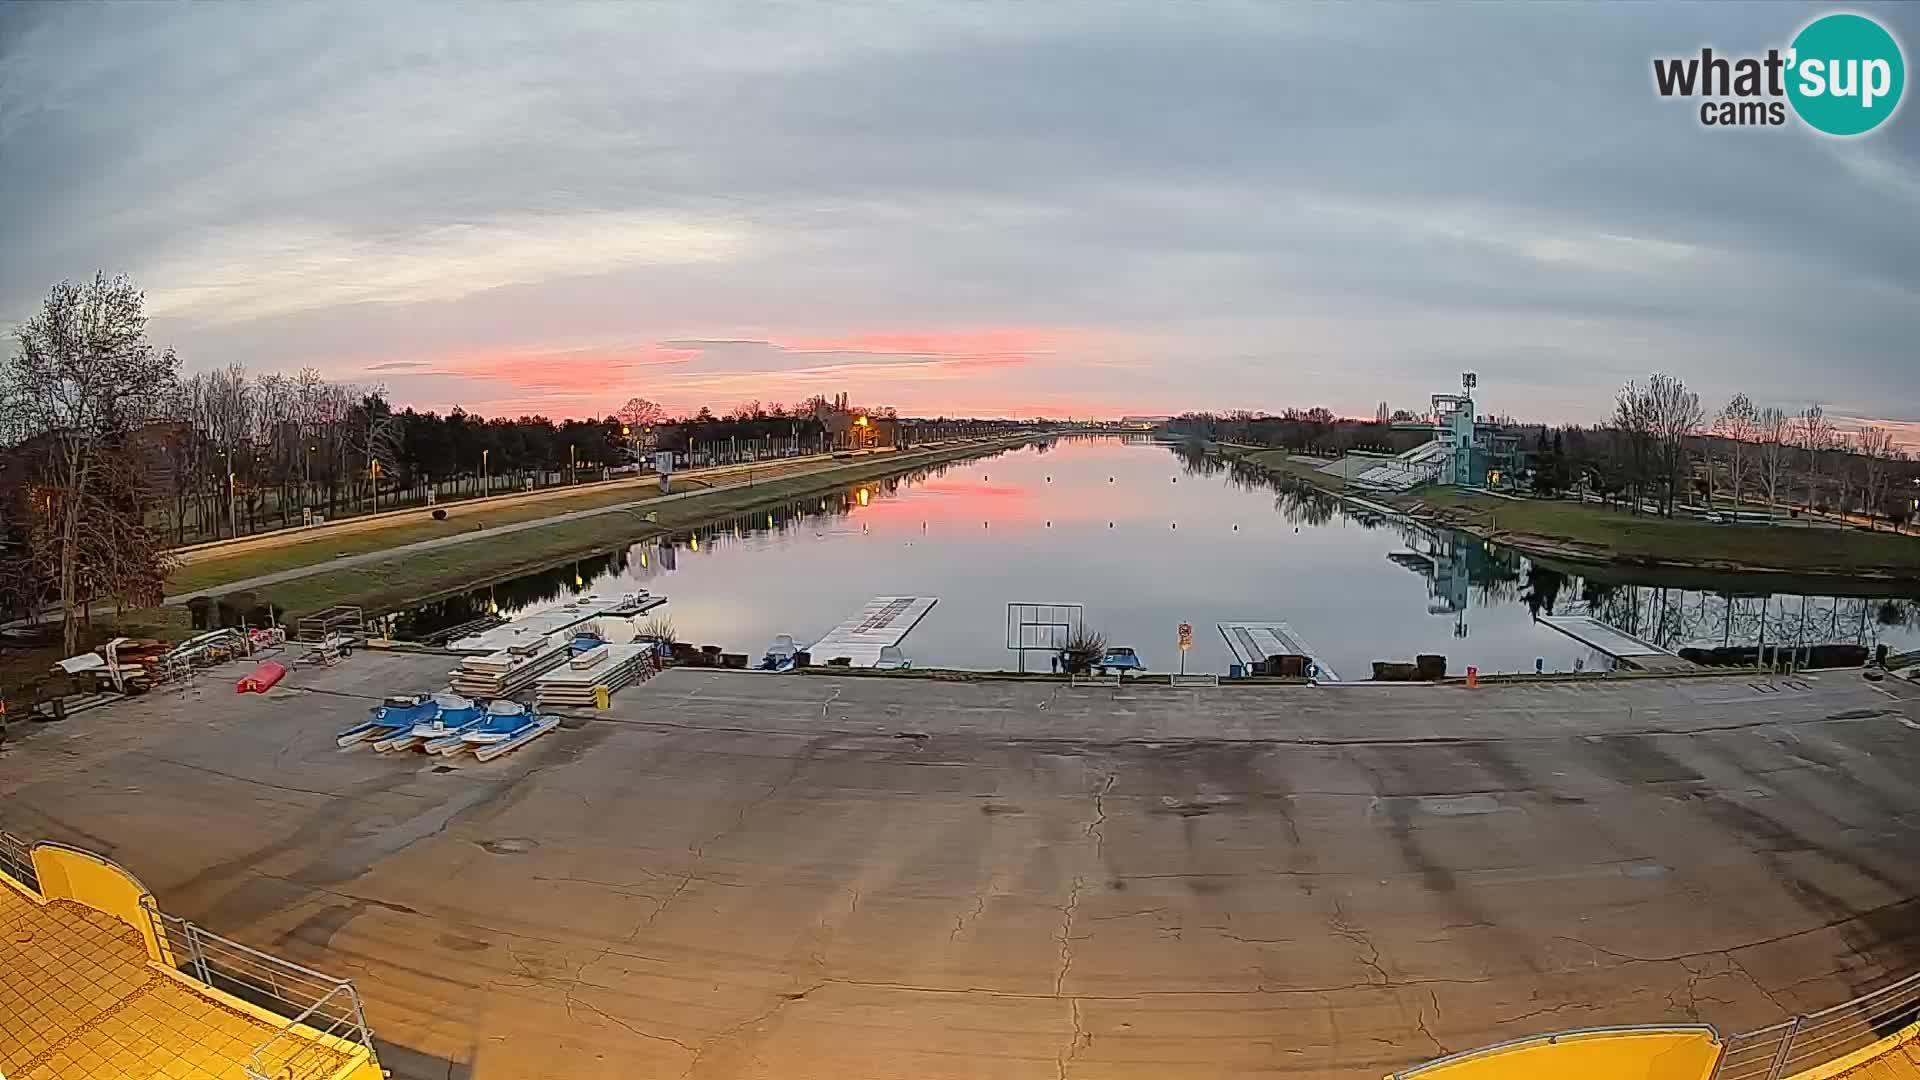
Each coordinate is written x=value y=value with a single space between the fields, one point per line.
x=86 y=991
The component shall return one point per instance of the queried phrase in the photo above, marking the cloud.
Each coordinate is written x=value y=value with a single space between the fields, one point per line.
x=277 y=268
x=1226 y=205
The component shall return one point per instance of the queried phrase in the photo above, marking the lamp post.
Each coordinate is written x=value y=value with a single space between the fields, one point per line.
x=486 y=482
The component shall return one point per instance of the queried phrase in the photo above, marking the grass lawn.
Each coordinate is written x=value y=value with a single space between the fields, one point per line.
x=421 y=526
x=409 y=579
x=1619 y=532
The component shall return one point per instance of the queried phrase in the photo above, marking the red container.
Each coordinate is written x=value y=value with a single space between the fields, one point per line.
x=262 y=679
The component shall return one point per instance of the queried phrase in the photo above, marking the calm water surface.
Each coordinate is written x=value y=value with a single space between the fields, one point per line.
x=1145 y=538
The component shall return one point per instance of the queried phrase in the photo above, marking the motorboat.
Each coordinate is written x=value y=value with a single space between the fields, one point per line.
x=1119 y=659
x=892 y=659
x=398 y=713
x=780 y=655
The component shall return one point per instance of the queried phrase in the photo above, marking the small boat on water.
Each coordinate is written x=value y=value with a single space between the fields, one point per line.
x=397 y=713
x=780 y=655
x=1119 y=659
x=507 y=726
x=892 y=659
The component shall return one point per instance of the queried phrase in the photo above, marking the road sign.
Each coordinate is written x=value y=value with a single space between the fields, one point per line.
x=1186 y=636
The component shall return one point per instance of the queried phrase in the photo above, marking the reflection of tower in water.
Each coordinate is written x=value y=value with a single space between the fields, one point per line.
x=1443 y=560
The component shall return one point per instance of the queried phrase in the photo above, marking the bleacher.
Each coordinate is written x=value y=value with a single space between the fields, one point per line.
x=1403 y=472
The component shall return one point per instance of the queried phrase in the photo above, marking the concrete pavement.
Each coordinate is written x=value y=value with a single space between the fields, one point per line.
x=740 y=875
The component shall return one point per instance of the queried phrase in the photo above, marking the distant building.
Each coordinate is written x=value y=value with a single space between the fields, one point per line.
x=1478 y=453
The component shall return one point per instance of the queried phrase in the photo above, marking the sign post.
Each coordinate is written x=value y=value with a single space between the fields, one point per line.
x=1186 y=642
x=663 y=464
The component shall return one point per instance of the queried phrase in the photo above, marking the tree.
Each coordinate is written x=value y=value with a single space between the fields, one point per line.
x=1876 y=448
x=1380 y=413
x=1674 y=416
x=1775 y=432
x=1633 y=426
x=1738 y=424
x=83 y=382
x=1813 y=432
x=638 y=412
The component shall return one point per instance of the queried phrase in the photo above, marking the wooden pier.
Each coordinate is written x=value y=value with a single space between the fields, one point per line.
x=540 y=624
x=1634 y=652
x=1252 y=642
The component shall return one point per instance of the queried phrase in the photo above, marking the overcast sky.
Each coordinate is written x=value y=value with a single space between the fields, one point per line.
x=961 y=207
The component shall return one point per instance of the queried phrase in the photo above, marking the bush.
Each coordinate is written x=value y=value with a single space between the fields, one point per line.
x=1083 y=650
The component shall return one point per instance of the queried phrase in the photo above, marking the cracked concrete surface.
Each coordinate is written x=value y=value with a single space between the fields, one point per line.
x=734 y=875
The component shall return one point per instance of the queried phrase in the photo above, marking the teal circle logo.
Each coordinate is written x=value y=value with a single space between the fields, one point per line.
x=1846 y=76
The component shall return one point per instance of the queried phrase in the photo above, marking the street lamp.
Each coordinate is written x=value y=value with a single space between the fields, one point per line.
x=486 y=482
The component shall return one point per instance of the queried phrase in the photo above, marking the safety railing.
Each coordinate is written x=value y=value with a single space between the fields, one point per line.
x=294 y=1054
x=16 y=861
x=1800 y=1044
x=316 y=1003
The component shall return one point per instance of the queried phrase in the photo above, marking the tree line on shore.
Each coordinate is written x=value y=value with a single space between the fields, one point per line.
x=110 y=457
x=1659 y=449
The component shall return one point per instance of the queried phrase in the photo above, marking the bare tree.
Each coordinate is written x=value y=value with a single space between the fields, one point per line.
x=85 y=382
x=1876 y=447
x=1775 y=432
x=1633 y=425
x=1814 y=434
x=1674 y=416
x=1738 y=425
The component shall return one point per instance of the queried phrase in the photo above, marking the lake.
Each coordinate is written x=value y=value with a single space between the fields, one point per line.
x=1147 y=536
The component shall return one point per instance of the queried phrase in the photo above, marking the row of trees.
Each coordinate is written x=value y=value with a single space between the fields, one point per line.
x=109 y=457
x=1315 y=430
x=1667 y=449
x=1658 y=449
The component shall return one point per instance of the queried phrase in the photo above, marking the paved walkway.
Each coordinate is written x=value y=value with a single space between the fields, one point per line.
x=731 y=875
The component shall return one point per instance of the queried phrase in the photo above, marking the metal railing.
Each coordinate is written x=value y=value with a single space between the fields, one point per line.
x=322 y=1003
x=16 y=861
x=1797 y=1045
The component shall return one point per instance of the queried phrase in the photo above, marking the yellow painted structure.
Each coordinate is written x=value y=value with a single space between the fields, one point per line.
x=1676 y=1053
x=88 y=991
x=85 y=878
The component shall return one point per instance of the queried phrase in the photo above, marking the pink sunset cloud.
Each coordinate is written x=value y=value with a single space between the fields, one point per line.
x=939 y=370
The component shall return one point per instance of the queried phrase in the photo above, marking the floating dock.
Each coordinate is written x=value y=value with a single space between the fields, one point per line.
x=554 y=620
x=885 y=621
x=1252 y=642
x=1634 y=652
